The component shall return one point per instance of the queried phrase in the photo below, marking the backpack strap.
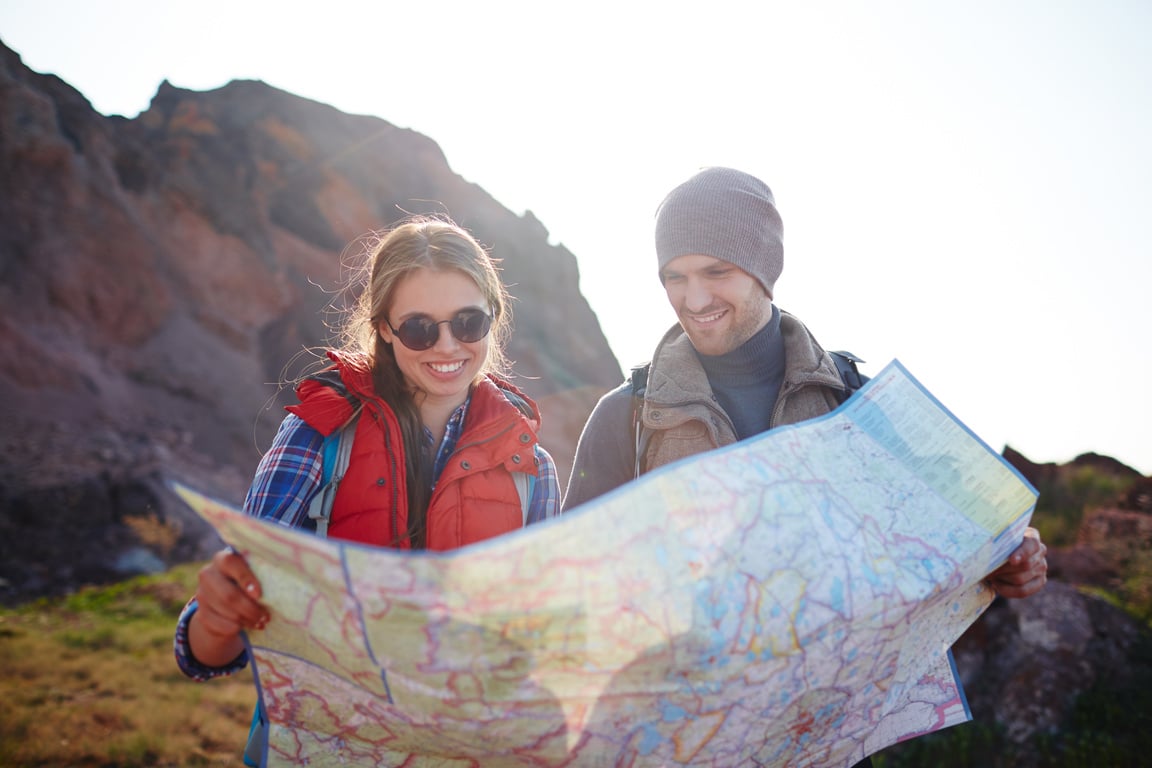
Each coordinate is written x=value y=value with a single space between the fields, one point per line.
x=520 y=402
x=849 y=373
x=639 y=383
x=334 y=454
x=525 y=486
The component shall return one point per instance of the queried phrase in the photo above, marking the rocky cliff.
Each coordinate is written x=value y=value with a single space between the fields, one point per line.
x=159 y=278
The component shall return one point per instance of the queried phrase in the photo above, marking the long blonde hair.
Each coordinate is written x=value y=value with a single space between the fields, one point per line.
x=419 y=242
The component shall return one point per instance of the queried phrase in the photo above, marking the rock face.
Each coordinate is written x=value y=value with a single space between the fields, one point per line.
x=160 y=276
x=1066 y=672
x=1025 y=663
x=1042 y=475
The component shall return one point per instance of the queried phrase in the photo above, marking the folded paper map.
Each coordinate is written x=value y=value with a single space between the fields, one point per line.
x=786 y=601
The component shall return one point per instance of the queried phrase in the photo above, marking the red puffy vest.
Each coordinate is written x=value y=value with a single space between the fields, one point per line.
x=475 y=497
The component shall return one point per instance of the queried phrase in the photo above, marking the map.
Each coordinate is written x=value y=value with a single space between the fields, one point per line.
x=786 y=601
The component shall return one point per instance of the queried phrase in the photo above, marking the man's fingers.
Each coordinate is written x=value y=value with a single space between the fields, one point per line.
x=1029 y=547
x=1022 y=579
x=1016 y=589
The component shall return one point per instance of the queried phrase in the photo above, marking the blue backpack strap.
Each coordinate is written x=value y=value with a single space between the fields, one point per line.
x=329 y=449
x=335 y=452
x=257 y=738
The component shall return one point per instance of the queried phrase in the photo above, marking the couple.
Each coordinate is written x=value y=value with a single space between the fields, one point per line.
x=441 y=436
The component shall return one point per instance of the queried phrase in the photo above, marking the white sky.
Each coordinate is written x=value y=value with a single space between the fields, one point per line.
x=966 y=186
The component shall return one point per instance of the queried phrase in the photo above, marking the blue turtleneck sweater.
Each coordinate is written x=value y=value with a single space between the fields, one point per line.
x=747 y=380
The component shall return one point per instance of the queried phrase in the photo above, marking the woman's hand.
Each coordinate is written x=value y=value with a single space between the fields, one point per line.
x=1026 y=571
x=228 y=602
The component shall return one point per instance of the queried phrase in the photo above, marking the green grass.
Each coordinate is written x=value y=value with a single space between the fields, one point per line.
x=1062 y=503
x=89 y=680
x=961 y=746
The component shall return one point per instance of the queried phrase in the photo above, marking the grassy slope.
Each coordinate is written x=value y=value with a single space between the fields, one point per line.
x=90 y=681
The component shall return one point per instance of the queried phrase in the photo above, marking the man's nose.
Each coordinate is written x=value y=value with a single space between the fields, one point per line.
x=697 y=296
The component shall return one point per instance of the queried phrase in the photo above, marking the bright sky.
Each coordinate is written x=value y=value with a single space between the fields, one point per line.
x=965 y=186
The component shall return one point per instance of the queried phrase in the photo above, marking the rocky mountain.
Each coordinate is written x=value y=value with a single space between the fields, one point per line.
x=159 y=279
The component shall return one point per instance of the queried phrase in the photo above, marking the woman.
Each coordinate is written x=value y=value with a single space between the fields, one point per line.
x=436 y=429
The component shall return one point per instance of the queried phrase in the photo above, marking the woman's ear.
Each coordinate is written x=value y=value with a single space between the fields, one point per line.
x=384 y=332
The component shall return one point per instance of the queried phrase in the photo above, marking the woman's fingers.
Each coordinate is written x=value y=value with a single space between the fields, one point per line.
x=228 y=595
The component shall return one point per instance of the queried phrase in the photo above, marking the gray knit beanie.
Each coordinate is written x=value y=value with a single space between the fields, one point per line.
x=726 y=214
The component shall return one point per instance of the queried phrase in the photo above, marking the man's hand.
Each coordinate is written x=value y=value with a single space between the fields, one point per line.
x=1026 y=571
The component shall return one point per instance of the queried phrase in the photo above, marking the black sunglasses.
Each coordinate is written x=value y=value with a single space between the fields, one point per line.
x=422 y=332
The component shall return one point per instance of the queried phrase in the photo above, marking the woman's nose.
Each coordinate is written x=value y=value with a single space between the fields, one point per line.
x=446 y=341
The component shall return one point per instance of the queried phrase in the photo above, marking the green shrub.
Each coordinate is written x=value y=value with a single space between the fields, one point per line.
x=1064 y=500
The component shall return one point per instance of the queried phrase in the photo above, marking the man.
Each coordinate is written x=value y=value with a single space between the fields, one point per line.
x=735 y=365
